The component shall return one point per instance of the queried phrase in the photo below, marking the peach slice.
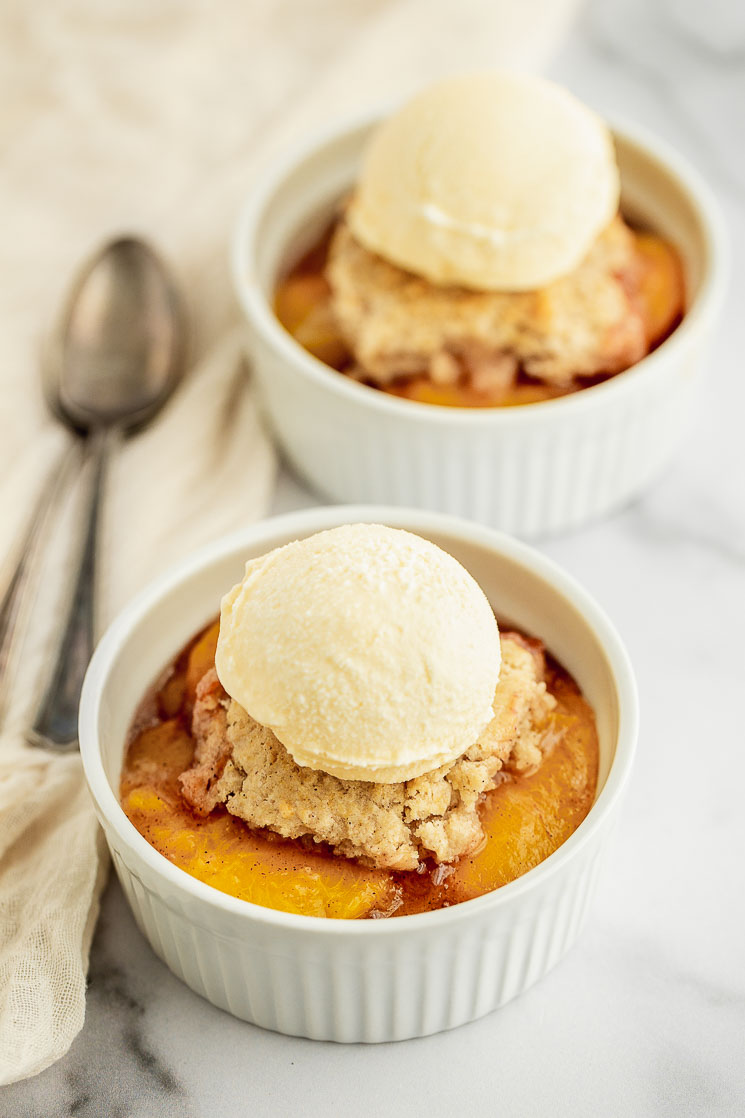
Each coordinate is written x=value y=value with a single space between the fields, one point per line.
x=201 y=660
x=223 y=853
x=463 y=396
x=303 y=306
x=661 y=286
x=297 y=296
x=527 y=819
x=156 y=757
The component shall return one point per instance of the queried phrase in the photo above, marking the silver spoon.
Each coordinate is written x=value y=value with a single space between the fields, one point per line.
x=116 y=357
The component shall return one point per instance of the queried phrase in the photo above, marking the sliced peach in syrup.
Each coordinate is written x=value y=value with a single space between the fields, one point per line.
x=156 y=756
x=661 y=286
x=171 y=695
x=297 y=296
x=424 y=391
x=223 y=853
x=303 y=306
x=463 y=396
x=201 y=659
x=527 y=819
x=320 y=335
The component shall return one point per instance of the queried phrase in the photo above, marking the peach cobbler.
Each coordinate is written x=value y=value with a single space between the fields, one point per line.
x=356 y=738
x=482 y=259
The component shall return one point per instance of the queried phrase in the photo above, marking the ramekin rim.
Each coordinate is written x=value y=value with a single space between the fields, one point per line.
x=316 y=519
x=259 y=312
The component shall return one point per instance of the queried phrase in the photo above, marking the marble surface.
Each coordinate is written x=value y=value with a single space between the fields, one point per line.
x=646 y=1016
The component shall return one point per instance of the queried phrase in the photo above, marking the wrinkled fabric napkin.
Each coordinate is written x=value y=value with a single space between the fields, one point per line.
x=153 y=118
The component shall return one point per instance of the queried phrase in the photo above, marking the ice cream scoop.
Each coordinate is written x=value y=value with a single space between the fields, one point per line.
x=371 y=653
x=493 y=181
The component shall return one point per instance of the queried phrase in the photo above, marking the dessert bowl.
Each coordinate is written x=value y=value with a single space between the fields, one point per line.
x=365 y=980
x=532 y=470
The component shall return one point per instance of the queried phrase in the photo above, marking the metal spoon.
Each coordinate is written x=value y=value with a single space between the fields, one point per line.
x=117 y=356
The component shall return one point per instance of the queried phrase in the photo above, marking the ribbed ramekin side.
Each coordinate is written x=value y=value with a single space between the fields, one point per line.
x=352 y=989
x=527 y=477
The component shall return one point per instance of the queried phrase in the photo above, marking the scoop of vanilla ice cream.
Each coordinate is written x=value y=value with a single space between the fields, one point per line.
x=496 y=181
x=370 y=652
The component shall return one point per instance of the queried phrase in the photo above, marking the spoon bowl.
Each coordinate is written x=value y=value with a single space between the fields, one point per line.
x=117 y=355
x=119 y=350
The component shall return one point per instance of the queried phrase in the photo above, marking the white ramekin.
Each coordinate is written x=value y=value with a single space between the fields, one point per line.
x=368 y=980
x=532 y=470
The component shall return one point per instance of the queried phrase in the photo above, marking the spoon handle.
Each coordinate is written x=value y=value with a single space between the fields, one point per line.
x=55 y=725
x=16 y=600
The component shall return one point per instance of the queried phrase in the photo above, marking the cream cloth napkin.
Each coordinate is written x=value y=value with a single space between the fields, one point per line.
x=152 y=117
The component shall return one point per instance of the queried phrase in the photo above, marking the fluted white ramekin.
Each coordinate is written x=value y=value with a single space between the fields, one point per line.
x=367 y=980
x=530 y=470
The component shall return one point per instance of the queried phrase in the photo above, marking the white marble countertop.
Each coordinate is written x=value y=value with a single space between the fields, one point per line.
x=646 y=1016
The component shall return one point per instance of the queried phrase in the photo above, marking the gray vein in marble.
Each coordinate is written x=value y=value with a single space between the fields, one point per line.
x=111 y=1071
